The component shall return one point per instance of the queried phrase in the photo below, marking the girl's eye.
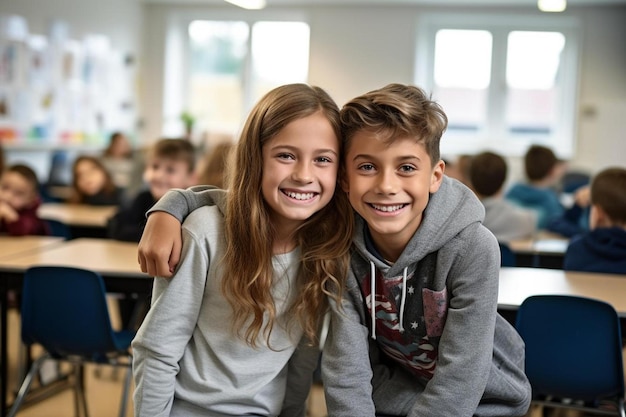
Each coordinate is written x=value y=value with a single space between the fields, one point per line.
x=285 y=156
x=324 y=159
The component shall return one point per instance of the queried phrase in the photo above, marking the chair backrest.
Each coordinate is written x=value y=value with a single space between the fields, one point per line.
x=507 y=256
x=65 y=310
x=573 y=347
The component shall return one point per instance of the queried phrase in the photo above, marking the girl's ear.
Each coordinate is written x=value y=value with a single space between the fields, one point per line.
x=436 y=176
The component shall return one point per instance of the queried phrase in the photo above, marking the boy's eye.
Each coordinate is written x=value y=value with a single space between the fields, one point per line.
x=366 y=167
x=407 y=168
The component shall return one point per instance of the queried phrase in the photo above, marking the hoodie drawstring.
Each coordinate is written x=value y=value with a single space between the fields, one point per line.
x=373 y=298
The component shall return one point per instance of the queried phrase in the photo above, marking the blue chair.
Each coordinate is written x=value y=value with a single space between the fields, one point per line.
x=507 y=256
x=65 y=311
x=573 y=353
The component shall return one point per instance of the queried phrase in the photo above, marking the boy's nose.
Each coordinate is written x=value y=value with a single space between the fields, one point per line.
x=387 y=183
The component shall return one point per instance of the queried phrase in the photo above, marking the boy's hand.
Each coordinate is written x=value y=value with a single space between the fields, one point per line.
x=582 y=197
x=7 y=213
x=160 y=245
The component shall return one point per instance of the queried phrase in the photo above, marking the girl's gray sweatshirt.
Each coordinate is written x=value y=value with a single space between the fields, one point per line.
x=187 y=361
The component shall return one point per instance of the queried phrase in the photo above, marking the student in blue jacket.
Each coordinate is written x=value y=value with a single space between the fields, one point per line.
x=603 y=247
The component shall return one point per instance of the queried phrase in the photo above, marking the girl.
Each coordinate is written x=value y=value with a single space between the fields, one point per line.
x=233 y=332
x=92 y=183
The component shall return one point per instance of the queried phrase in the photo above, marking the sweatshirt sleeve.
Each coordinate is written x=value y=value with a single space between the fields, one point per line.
x=346 y=369
x=180 y=202
x=166 y=331
x=299 y=378
x=466 y=344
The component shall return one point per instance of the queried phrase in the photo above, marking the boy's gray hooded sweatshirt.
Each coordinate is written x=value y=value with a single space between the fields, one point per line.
x=435 y=345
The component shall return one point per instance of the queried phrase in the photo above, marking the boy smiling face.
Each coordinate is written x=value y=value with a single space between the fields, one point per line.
x=389 y=183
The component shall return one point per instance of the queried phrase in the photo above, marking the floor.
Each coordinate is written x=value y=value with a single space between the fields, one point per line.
x=103 y=387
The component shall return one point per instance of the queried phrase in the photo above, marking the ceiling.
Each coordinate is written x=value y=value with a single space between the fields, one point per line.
x=395 y=2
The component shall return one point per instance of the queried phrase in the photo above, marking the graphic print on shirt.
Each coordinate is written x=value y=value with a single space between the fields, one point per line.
x=424 y=317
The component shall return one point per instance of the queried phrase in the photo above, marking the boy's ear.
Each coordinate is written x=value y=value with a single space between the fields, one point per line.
x=436 y=176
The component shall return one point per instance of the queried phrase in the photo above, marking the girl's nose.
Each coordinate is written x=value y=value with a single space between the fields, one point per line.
x=303 y=172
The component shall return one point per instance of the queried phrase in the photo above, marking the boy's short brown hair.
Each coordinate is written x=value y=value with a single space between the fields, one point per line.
x=27 y=173
x=395 y=111
x=608 y=191
x=487 y=173
x=175 y=149
x=538 y=162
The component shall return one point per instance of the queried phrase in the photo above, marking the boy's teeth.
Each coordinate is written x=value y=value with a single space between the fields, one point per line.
x=387 y=208
x=301 y=196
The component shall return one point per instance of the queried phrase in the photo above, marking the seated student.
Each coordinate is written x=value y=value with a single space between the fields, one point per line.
x=487 y=175
x=92 y=183
x=459 y=168
x=118 y=160
x=170 y=164
x=19 y=200
x=543 y=172
x=603 y=247
x=214 y=165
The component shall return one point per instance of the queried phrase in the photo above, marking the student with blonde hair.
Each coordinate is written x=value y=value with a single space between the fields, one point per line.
x=234 y=332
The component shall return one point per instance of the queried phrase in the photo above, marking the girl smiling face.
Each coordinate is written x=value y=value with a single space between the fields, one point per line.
x=300 y=167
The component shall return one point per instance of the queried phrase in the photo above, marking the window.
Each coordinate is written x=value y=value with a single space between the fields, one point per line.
x=232 y=63
x=503 y=86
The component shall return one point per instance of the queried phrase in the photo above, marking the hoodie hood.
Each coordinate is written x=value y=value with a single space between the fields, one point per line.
x=450 y=210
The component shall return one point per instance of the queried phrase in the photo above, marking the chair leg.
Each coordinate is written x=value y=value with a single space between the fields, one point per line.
x=124 y=403
x=34 y=370
x=622 y=411
x=80 y=400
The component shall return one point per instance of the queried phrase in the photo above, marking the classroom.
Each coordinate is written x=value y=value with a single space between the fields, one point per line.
x=507 y=74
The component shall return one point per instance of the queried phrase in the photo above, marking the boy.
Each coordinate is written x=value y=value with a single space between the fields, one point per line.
x=543 y=172
x=437 y=345
x=603 y=247
x=19 y=201
x=487 y=174
x=170 y=164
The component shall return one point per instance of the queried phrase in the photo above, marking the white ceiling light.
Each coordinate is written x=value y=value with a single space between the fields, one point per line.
x=248 y=4
x=552 y=5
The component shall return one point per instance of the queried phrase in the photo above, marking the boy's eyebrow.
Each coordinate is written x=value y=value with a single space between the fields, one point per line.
x=401 y=158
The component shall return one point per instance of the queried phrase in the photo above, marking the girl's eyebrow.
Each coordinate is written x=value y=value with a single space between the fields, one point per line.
x=295 y=149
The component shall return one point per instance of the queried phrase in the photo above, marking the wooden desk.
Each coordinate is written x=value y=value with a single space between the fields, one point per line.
x=77 y=214
x=545 y=250
x=517 y=284
x=81 y=219
x=11 y=246
x=115 y=260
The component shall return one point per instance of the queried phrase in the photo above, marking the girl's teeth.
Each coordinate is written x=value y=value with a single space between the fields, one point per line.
x=301 y=196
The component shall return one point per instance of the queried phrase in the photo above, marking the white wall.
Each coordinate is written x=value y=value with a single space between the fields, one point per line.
x=355 y=49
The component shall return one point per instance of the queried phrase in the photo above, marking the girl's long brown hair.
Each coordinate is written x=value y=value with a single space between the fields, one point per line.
x=324 y=239
x=77 y=196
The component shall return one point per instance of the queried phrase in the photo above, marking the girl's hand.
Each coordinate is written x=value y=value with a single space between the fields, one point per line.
x=160 y=245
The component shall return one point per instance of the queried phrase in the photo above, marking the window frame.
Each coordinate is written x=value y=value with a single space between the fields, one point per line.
x=563 y=139
x=177 y=51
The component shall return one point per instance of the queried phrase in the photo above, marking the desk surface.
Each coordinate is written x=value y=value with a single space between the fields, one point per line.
x=544 y=243
x=106 y=256
x=12 y=246
x=77 y=214
x=516 y=284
